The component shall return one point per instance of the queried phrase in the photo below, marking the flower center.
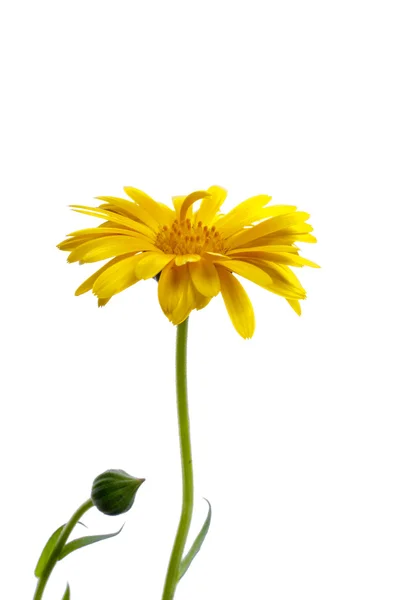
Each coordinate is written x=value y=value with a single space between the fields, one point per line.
x=185 y=238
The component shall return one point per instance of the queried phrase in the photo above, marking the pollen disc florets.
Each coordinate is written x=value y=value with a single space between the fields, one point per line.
x=185 y=238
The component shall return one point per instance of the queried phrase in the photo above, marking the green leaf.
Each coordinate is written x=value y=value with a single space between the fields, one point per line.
x=66 y=596
x=196 y=546
x=85 y=541
x=48 y=548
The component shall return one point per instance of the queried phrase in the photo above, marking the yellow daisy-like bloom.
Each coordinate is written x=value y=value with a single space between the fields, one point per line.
x=194 y=253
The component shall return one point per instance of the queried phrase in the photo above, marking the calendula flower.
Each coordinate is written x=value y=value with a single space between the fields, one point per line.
x=194 y=253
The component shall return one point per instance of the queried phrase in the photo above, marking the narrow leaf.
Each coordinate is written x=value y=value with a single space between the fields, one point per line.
x=48 y=548
x=86 y=541
x=196 y=546
x=66 y=596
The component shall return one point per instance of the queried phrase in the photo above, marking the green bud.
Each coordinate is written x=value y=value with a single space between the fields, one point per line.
x=113 y=492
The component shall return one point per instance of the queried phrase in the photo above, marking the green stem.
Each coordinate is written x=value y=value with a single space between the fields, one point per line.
x=52 y=561
x=186 y=464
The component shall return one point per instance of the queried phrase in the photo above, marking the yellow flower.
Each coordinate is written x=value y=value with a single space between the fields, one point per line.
x=194 y=253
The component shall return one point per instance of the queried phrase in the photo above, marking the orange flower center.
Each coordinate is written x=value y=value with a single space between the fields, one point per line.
x=185 y=238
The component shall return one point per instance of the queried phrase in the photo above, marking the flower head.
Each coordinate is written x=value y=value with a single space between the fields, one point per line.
x=194 y=253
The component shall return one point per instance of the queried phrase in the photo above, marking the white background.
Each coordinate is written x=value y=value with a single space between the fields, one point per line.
x=294 y=432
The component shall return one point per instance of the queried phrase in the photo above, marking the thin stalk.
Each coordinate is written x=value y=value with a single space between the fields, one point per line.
x=186 y=463
x=63 y=538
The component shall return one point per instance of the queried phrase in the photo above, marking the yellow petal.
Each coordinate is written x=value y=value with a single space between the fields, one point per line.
x=189 y=201
x=205 y=277
x=284 y=282
x=285 y=272
x=110 y=224
x=102 y=302
x=284 y=258
x=169 y=288
x=308 y=238
x=81 y=237
x=183 y=259
x=117 y=277
x=177 y=202
x=132 y=209
x=297 y=229
x=200 y=300
x=237 y=303
x=176 y=293
x=158 y=211
x=87 y=285
x=245 y=213
x=261 y=249
x=231 y=229
x=247 y=270
x=295 y=304
x=187 y=301
x=151 y=264
x=281 y=239
x=100 y=249
x=286 y=291
x=275 y=211
x=101 y=213
x=71 y=243
x=267 y=227
x=287 y=258
x=211 y=205
x=212 y=256
x=102 y=231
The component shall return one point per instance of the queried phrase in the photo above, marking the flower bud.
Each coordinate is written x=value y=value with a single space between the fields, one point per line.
x=113 y=492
